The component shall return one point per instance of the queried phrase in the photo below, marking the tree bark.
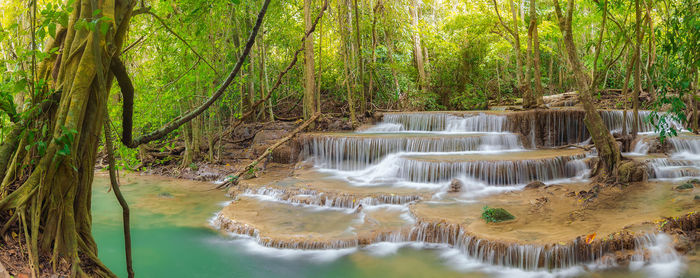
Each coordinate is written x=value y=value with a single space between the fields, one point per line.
x=537 y=86
x=309 y=68
x=608 y=150
x=417 y=48
x=345 y=52
x=360 y=63
x=625 y=87
x=637 y=69
x=376 y=8
x=54 y=200
x=516 y=41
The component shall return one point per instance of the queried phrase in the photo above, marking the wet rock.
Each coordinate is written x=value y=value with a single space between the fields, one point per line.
x=358 y=209
x=339 y=124
x=455 y=186
x=534 y=185
x=682 y=243
x=632 y=171
x=377 y=117
x=287 y=153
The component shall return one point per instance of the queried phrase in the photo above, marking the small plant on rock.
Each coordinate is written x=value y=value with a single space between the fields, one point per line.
x=495 y=215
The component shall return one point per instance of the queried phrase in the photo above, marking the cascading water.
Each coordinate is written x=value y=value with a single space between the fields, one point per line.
x=397 y=161
x=440 y=122
x=420 y=148
x=358 y=152
x=683 y=161
x=500 y=172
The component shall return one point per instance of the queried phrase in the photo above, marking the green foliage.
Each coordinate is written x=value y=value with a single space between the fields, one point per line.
x=193 y=166
x=471 y=99
x=686 y=185
x=680 y=40
x=495 y=215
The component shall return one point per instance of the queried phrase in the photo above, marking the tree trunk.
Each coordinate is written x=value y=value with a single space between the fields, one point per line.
x=625 y=88
x=345 y=52
x=652 y=54
x=516 y=36
x=53 y=199
x=417 y=49
x=637 y=70
x=370 y=91
x=320 y=67
x=608 y=150
x=528 y=90
x=537 y=86
x=360 y=63
x=394 y=74
x=309 y=69
x=261 y=74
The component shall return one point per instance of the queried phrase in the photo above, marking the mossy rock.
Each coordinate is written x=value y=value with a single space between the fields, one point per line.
x=496 y=215
x=697 y=198
x=684 y=186
x=631 y=171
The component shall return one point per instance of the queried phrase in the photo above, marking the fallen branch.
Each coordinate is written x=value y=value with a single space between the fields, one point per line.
x=583 y=147
x=234 y=179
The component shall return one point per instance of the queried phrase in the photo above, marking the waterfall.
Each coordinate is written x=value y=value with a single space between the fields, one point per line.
x=683 y=162
x=665 y=168
x=298 y=196
x=358 y=152
x=614 y=118
x=500 y=172
x=444 y=122
x=685 y=145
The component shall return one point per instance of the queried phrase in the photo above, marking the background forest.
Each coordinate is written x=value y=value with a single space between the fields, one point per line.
x=368 y=55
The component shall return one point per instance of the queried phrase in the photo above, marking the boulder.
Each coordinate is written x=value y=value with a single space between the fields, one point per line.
x=534 y=185
x=455 y=186
x=632 y=171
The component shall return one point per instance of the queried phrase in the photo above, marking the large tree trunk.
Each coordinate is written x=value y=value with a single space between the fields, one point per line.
x=309 y=69
x=53 y=195
x=608 y=150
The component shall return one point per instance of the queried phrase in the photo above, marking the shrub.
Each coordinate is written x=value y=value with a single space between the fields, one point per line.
x=495 y=215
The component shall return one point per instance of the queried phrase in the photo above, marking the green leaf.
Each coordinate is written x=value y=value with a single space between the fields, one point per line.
x=20 y=85
x=104 y=27
x=52 y=29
